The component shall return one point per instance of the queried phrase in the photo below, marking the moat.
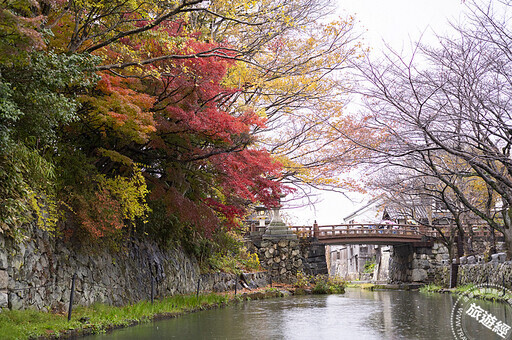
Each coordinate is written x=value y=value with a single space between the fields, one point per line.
x=358 y=314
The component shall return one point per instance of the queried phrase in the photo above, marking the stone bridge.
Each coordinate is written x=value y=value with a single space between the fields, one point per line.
x=412 y=242
x=417 y=253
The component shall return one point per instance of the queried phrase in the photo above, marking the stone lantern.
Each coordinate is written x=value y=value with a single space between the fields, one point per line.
x=277 y=229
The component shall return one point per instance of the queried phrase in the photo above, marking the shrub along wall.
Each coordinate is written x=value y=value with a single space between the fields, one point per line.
x=38 y=273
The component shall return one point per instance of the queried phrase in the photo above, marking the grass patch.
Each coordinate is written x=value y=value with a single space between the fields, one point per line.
x=29 y=324
x=372 y=286
x=463 y=289
x=431 y=288
x=328 y=285
x=491 y=293
x=367 y=286
x=319 y=284
x=353 y=285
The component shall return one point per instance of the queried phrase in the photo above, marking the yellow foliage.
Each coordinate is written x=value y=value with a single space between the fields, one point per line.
x=130 y=193
x=47 y=214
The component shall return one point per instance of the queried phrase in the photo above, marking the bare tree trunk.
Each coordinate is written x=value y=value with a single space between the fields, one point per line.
x=493 y=241
x=454 y=267
x=507 y=232
x=454 y=273
x=469 y=242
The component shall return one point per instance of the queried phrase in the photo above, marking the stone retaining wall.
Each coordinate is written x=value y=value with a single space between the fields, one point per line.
x=314 y=258
x=490 y=272
x=284 y=258
x=418 y=264
x=480 y=273
x=37 y=274
x=221 y=282
x=281 y=258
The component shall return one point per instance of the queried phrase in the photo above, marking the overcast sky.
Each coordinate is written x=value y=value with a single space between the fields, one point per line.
x=398 y=23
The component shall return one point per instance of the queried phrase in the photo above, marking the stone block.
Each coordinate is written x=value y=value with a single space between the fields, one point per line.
x=471 y=259
x=494 y=258
x=4 y=300
x=502 y=257
x=419 y=275
x=266 y=244
x=424 y=264
x=415 y=264
x=4 y=279
x=16 y=302
x=3 y=259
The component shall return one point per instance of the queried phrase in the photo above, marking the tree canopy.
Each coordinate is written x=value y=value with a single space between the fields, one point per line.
x=127 y=116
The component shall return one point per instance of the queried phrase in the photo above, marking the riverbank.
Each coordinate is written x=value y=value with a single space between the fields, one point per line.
x=98 y=318
x=485 y=292
x=384 y=286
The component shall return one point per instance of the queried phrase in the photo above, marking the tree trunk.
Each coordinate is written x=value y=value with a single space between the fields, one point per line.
x=454 y=267
x=493 y=241
x=507 y=232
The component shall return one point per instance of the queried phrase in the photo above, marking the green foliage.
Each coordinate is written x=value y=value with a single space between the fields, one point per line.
x=464 y=288
x=328 y=285
x=166 y=228
x=430 y=288
x=489 y=293
x=9 y=113
x=322 y=284
x=369 y=266
x=26 y=188
x=302 y=280
x=41 y=95
x=231 y=255
x=36 y=97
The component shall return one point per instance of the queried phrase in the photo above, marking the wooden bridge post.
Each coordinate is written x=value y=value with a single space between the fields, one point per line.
x=316 y=231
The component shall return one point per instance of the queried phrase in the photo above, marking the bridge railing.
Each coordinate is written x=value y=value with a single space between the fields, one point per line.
x=322 y=231
x=364 y=229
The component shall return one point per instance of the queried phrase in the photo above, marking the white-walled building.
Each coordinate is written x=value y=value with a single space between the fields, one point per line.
x=348 y=261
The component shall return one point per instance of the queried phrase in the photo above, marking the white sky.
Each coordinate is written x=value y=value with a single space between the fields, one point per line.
x=398 y=23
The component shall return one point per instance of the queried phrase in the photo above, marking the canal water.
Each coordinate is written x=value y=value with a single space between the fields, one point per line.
x=356 y=315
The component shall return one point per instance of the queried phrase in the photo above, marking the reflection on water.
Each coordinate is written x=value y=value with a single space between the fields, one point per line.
x=358 y=314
